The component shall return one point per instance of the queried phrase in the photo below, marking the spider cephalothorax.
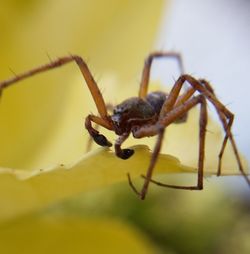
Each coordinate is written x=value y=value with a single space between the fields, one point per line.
x=149 y=114
x=130 y=112
x=135 y=112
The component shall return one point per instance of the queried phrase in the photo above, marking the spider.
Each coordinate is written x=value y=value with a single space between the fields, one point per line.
x=149 y=114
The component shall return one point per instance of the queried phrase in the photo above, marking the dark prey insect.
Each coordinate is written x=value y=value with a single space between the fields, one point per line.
x=149 y=114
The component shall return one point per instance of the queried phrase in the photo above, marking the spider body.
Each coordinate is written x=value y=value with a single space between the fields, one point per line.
x=132 y=114
x=136 y=112
x=156 y=100
x=133 y=111
x=149 y=114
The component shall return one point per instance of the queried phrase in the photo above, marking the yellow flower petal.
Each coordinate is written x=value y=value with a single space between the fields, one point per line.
x=22 y=191
x=32 y=113
x=42 y=119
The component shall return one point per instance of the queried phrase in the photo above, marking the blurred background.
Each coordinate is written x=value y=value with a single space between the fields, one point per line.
x=213 y=38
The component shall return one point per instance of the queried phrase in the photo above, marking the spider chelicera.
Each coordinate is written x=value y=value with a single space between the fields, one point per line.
x=149 y=114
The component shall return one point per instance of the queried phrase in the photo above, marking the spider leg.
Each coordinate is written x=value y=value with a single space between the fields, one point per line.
x=153 y=160
x=147 y=67
x=171 y=100
x=104 y=120
x=223 y=120
x=185 y=96
x=224 y=114
x=229 y=126
x=222 y=117
x=95 y=92
x=174 y=114
x=174 y=100
x=158 y=129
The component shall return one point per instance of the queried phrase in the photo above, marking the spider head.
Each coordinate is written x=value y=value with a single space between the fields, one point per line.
x=129 y=113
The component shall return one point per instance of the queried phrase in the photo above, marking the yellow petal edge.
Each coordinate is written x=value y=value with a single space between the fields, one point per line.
x=22 y=191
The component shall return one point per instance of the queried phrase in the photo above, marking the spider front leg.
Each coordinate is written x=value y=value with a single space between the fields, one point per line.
x=174 y=114
x=91 y=83
x=104 y=119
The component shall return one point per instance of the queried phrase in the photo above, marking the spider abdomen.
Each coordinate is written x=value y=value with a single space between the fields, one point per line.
x=156 y=100
x=135 y=107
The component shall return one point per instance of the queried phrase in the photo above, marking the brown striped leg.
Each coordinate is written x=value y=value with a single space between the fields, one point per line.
x=223 y=112
x=147 y=67
x=202 y=132
x=92 y=85
x=159 y=127
x=227 y=119
x=153 y=160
